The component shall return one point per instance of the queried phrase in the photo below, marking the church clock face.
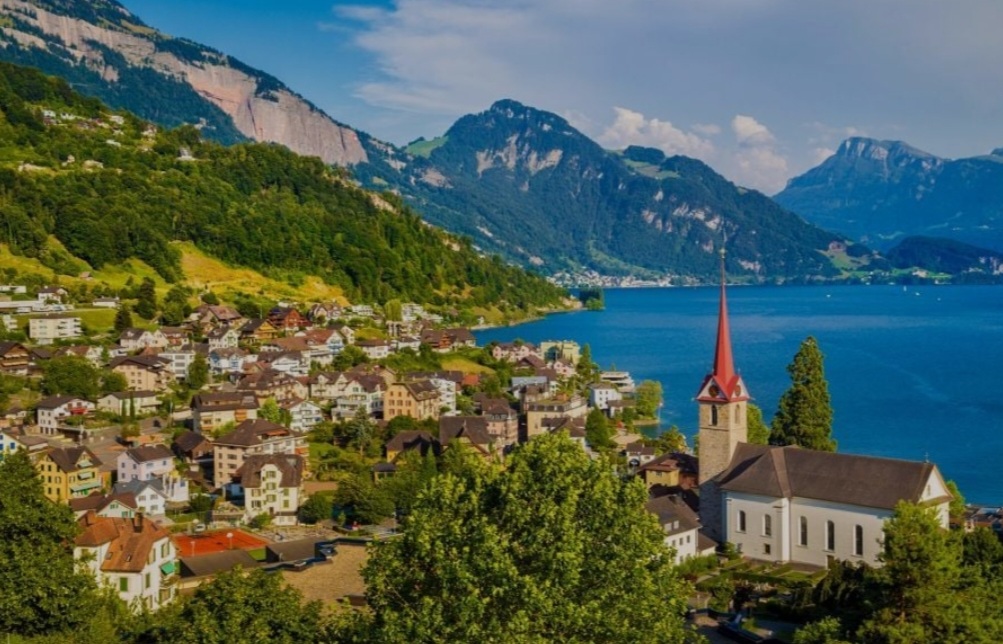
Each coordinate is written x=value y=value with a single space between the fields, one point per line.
x=738 y=390
x=714 y=391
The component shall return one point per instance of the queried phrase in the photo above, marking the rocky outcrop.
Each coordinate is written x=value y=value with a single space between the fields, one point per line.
x=276 y=115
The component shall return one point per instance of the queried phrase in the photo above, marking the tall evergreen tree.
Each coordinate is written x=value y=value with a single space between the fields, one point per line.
x=804 y=415
x=198 y=372
x=146 y=305
x=759 y=432
x=123 y=318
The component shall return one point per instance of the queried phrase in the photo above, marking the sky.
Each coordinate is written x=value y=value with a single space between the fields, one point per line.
x=761 y=90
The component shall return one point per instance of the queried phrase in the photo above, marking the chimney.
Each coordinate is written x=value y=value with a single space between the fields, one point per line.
x=139 y=522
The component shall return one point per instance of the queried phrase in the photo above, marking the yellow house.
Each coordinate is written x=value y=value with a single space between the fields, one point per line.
x=418 y=399
x=69 y=473
x=144 y=373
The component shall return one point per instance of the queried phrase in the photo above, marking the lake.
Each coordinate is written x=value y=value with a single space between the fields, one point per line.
x=910 y=371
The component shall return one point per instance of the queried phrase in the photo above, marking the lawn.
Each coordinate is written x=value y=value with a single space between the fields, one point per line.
x=466 y=365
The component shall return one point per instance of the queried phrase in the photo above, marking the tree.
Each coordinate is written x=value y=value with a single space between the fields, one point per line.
x=360 y=429
x=369 y=502
x=598 y=432
x=123 y=318
x=317 y=508
x=669 y=441
x=146 y=304
x=113 y=381
x=555 y=547
x=827 y=630
x=238 y=606
x=71 y=376
x=198 y=372
x=41 y=591
x=393 y=310
x=587 y=371
x=759 y=433
x=804 y=415
x=349 y=357
x=648 y=398
x=271 y=411
x=957 y=506
x=916 y=584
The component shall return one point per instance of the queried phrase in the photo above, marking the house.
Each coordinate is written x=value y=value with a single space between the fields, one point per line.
x=274 y=384
x=514 y=351
x=411 y=441
x=208 y=317
x=271 y=484
x=303 y=414
x=563 y=368
x=15 y=359
x=254 y=332
x=151 y=495
x=213 y=410
x=51 y=294
x=222 y=337
x=362 y=391
x=324 y=312
x=129 y=403
x=193 y=448
x=51 y=412
x=93 y=354
x=69 y=473
x=247 y=439
x=502 y=421
x=562 y=407
x=407 y=342
x=418 y=399
x=134 y=339
x=180 y=358
x=144 y=463
x=106 y=303
x=680 y=524
x=226 y=361
x=375 y=349
x=324 y=345
x=122 y=506
x=443 y=340
x=134 y=556
x=638 y=454
x=472 y=431
x=49 y=328
x=287 y=319
x=673 y=471
x=328 y=385
x=292 y=363
x=144 y=373
x=175 y=336
x=205 y=567
x=601 y=394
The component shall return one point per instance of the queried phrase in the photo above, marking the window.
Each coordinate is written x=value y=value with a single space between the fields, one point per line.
x=766 y=548
x=713 y=415
x=858 y=540
x=767 y=526
x=741 y=520
x=803 y=535
x=123 y=584
x=146 y=581
x=830 y=535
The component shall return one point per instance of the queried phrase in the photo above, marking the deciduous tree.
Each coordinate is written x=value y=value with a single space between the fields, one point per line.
x=648 y=398
x=71 y=376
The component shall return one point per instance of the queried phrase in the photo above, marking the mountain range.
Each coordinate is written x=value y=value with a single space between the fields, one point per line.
x=523 y=183
x=879 y=192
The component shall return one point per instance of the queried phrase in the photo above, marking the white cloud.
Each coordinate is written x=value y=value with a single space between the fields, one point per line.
x=821 y=154
x=757 y=162
x=749 y=131
x=633 y=128
x=707 y=129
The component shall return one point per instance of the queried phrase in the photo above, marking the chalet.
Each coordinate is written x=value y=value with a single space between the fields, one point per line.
x=638 y=454
x=347 y=334
x=222 y=338
x=287 y=319
x=90 y=353
x=134 y=339
x=328 y=385
x=443 y=340
x=175 y=336
x=208 y=317
x=134 y=556
x=14 y=358
x=324 y=312
x=514 y=351
x=674 y=471
x=193 y=448
x=144 y=463
x=293 y=363
x=213 y=410
x=254 y=332
x=248 y=438
x=52 y=294
x=274 y=384
x=226 y=361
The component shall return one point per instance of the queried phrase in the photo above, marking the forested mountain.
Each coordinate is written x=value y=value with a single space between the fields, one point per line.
x=947 y=256
x=881 y=191
x=525 y=183
x=111 y=187
x=104 y=51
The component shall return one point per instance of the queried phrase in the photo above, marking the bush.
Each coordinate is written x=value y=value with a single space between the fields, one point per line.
x=260 y=521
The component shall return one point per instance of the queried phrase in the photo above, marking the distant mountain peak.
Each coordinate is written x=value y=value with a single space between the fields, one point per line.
x=878 y=150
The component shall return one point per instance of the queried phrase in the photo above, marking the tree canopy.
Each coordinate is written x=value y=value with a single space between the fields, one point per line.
x=555 y=547
x=804 y=414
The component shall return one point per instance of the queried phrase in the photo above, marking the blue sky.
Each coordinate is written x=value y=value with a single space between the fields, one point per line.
x=760 y=89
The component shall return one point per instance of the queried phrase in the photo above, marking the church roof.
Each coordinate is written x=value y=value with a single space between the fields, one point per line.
x=787 y=472
x=723 y=383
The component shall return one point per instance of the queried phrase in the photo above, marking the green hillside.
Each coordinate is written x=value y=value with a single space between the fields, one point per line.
x=110 y=188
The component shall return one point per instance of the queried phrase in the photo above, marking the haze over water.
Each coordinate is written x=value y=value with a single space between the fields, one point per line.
x=913 y=373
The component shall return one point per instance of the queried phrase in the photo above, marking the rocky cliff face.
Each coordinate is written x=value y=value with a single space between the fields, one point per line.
x=260 y=107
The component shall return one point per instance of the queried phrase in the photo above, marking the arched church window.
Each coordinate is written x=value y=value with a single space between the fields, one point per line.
x=713 y=415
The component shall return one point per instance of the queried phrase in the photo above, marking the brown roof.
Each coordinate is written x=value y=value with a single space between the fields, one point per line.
x=786 y=472
x=224 y=401
x=412 y=440
x=670 y=509
x=54 y=402
x=474 y=428
x=130 y=540
x=144 y=361
x=216 y=562
x=290 y=465
x=98 y=501
x=149 y=453
x=189 y=441
x=254 y=432
x=421 y=389
x=670 y=462
x=71 y=459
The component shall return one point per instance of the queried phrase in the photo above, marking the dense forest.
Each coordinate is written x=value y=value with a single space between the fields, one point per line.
x=113 y=187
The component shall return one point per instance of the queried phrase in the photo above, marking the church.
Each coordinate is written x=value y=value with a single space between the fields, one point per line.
x=790 y=504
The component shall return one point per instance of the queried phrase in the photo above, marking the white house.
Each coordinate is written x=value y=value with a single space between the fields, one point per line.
x=375 y=349
x=150 y=496
x=223 y=338
x=680 y=524
x=49 y=328
x=152 y=463
x=124 y=402
x=179 y=359
x=271 y=484
x=601 y=394
x=133 y=556
x=447 y=393
x=52 y=411
x=133 y=339
x=305 y=414
x=806 y=506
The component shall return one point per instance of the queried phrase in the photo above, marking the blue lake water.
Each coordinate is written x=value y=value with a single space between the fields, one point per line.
x=912 y=372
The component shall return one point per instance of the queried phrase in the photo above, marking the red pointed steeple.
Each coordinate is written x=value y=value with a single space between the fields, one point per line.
x=723 y=383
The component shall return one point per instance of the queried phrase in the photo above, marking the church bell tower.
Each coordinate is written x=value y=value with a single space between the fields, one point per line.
x=722 y=400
